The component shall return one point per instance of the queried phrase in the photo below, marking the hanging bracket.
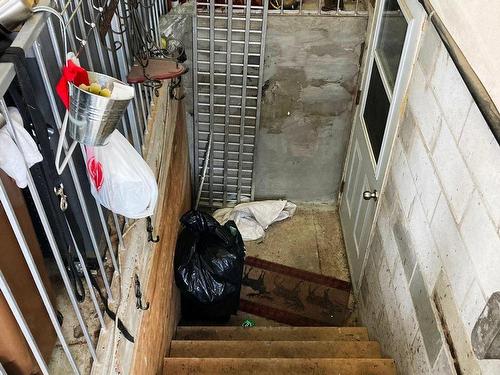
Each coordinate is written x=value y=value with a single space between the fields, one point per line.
x=138 y=295
x=149 y=229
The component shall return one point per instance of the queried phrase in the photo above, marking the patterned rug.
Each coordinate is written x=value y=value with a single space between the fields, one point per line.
x=292 y=296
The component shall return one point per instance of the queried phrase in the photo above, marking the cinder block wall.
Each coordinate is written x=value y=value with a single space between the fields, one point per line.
x=434 y=259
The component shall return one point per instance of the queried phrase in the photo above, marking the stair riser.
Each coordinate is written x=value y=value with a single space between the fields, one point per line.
x=275 y=349
x=218 y=366
x=273 y=333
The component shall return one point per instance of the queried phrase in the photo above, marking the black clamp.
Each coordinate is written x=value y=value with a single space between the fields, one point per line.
x=149 y=229
x=175 y=83
x=138 y=295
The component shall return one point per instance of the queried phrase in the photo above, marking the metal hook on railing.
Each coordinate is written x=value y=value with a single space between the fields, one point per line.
x=144 y=6
x=138 y=295
x=98 y=8
x=120 y=32
x=116 y=45
x=149 y=229
x=124 y=17
x=82 y=39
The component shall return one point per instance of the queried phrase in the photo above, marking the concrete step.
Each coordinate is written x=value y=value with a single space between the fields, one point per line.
x=276 y=366
x=275 y=349
x=272 y=333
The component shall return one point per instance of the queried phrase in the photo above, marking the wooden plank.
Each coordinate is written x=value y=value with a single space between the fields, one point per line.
x=135 y=256
x=273 y=333
x=158 y=323
x=275 y=349
x=296 y=366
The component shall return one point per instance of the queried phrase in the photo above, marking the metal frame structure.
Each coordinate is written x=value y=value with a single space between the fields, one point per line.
x=228 y=59
x=228 y=64
x=78 y=20
x=315 y=8
x=18 y=315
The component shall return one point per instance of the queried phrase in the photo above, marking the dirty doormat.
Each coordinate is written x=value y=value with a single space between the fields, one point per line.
x=292 y=296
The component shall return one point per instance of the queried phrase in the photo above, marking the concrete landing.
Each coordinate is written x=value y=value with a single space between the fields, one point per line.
x=311 y=240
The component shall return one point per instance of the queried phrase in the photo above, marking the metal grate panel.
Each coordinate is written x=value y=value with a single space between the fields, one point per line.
x=228 y=58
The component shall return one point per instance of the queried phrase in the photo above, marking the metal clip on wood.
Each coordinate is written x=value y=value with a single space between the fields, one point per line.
x=175 y=83
x=138 y=295
x=149 y=229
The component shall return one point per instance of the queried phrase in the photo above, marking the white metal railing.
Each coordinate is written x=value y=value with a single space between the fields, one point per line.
x=318 y=7
x=298 y=7
x=18 y=315
x=42 y=39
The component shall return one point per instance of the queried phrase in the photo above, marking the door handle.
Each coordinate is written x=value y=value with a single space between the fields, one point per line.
x=367 y=195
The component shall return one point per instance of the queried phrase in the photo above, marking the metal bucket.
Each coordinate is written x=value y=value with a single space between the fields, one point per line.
x=14 y=12
x=92 y=118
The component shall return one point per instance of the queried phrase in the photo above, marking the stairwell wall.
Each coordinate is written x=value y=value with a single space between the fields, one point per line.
x=311 y=78
x=434 y=259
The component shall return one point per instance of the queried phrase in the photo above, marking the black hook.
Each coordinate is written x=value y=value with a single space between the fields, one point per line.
x=138 y=295
x=176 y=82
x=149 y=229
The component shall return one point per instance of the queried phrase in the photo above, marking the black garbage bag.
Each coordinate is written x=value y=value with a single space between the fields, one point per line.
x=208 y=263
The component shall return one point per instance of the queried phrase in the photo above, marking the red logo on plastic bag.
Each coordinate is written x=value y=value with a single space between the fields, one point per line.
x=95 y=172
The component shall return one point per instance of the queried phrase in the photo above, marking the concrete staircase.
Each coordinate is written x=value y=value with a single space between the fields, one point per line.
x=275 y=350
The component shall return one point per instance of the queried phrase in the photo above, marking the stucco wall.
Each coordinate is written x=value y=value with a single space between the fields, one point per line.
x=311 y=73
x=434 y=259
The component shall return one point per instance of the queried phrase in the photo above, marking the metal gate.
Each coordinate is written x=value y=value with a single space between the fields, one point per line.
x=228 y=58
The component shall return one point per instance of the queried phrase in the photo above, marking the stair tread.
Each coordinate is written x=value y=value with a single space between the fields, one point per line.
x=298 y=366
x=274 y=349
x=272 y=333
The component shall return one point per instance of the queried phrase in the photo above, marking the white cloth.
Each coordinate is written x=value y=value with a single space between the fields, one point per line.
x=16 y=158
x=253 y=218
x=122 y=92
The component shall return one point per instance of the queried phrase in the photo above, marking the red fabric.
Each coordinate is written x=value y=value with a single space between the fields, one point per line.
x=71 y=73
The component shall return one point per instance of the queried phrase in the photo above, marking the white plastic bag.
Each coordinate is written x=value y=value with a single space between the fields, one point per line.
x=120 y=179
x=253 y=218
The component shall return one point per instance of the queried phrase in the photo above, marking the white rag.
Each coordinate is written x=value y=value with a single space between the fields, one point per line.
x=253 y=218
x=16 y=158
x=122 y=92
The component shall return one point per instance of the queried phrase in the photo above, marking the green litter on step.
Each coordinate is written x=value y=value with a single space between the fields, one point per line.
x=248 y=323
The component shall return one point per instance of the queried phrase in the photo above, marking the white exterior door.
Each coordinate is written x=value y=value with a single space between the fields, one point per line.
x=394 y=37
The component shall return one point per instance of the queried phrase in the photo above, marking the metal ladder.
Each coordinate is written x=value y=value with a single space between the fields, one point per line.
x=228 y=59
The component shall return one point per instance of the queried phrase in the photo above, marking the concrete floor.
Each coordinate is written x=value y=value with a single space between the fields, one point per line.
x=58 y=364
x=311 y=240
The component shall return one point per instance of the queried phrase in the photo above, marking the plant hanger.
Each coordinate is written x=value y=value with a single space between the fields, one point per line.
x=90 y=116
x=153 y=63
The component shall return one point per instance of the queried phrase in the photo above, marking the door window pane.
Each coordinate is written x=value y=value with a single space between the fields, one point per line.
x=376 y=111
x=391 y=40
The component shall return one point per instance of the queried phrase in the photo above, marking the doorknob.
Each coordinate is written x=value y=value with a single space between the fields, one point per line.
x=367 y=195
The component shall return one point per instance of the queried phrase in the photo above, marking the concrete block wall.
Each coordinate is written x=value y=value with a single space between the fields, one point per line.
x=434 y=259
